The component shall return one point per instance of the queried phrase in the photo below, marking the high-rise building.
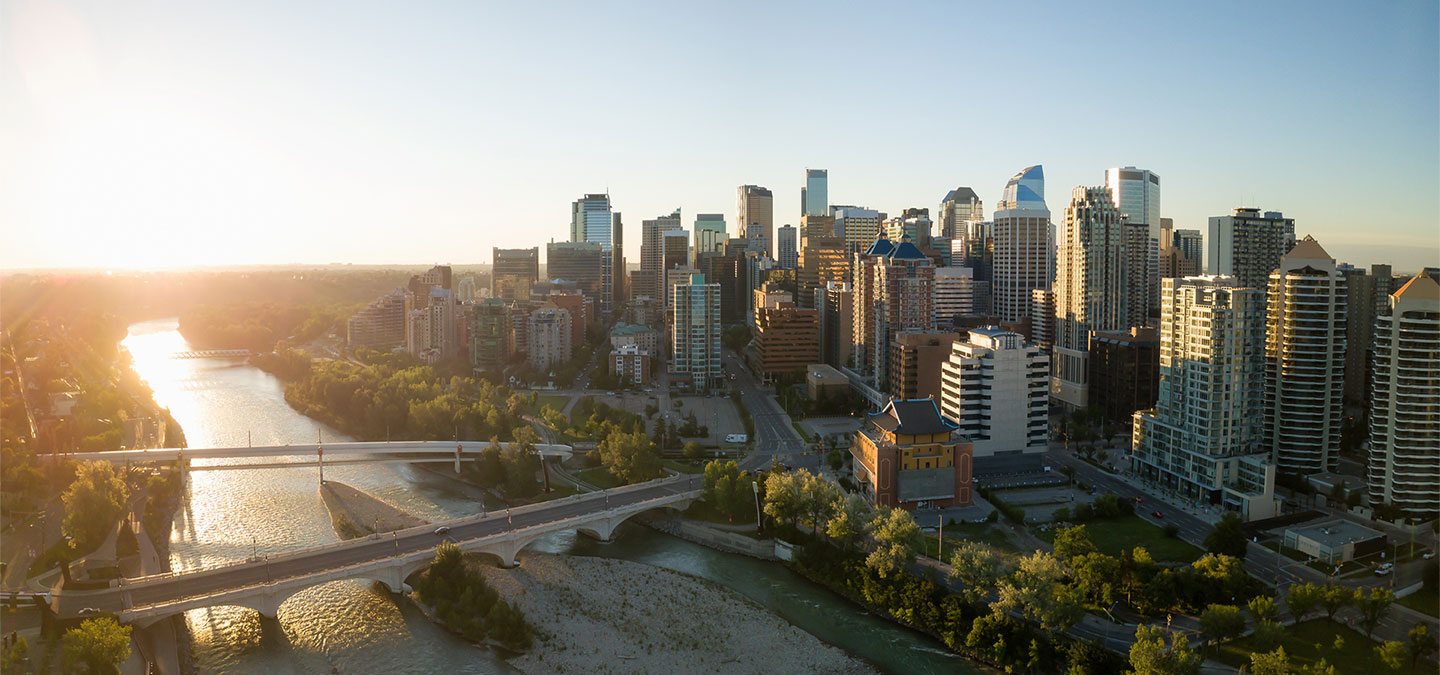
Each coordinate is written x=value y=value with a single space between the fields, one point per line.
x=695 y=334
x=1404 y=466
x=822 y=260
x=1024 y=244
x=909 y=456
x=916 y=358
x=955 y=293
x=430 y=332
x=581 y=262
x=1042 y=319
x=1305 y=360
x=1124 y=372
x=675 y=249
x=710 y=234
x=914 y=223
x=581 y=309
x=836 y=304
x=380 y=325
x=549 y=330
x=653 y=247
x=894 y=291
x=514 y=271
x=757 y=207
x=1136 y=193
x=858 y=226
x=786 y=248
x=590 y=219
x=995 y=386
x=615 y=299
x=490 y=336
x=815 y=196
x=1248 y=245
x=1191 y=245
x=959 y=208
x=822 y=226
x=787 y=339
x=1092 y=289
x=1205 y=438
x=1359 y=331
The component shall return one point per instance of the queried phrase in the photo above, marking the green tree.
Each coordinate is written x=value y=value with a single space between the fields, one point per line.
x=1037 y=591
x=897 y=541
x=96 y=645
x=1270 y=663
x=1419 y=642
x=1097 y=576
x=490 y=472
x=1373 y=605
x=819 y=498
x=783 y=498
x=693 y=450
x=851 y=522
x=1228 y=536
x=979 y=567
x=94 y=502
x=1268 y=635
x=1391 y=655
x=1302 y=599
x=1072 y=541
x=1225 y=575
x=16 y=659
x=1222 y=622
x=630 y=457
x=1335 y=598
x=1262 y=607
x=1151 y=655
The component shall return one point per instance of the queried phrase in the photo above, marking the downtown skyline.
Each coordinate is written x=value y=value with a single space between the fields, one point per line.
x=317 y=150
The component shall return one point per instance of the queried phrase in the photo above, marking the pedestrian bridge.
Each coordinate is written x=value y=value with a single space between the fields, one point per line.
x=318 y=453
x=264 y=584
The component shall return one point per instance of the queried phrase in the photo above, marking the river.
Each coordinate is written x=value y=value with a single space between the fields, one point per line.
x=350 y=627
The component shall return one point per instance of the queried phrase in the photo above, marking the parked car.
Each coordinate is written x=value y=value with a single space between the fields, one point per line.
x=442 y=530
x=1157 y=514
x=1428 y=555
x=1383 y=571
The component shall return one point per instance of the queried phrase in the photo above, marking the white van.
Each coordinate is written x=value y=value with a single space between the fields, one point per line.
x=737 y=438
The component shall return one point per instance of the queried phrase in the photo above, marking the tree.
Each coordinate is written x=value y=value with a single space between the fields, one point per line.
x=1038 y=592
x=1419 y=643
x=819 y=497
x=1270 y=663
x=1222 y=622
x=979 y=567
x=897 y=541
x=1072 y=541
x=693 y=450
x=1334 y=598
x=630 y=457
x=1262 y=607
x=1228 y=536
x=1303 y=599
x=783 y=499
x=1268 y=635
x=489 y=470
x=851 y=522
x=1372 y=606
x=1224 y=575
x=1150 y=655
x=16 y=658
x=1391 y=655
x=94 y=502
x=96 y=645
x=1097 y=576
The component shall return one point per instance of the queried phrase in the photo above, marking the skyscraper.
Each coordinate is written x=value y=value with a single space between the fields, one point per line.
x=652 y=248
x=675 y=249
x=954 y=295
x=959 y=208
x=894 y=291
x=1091 y=289
x=695 y=334
x=994 y=387
x=1248 y=245
x=914 y=223
x=815 y=196
x=1305 y=360
x=577 y=261
x=1024 y=244
x=591 y=220
x=757 y=207
x=788 y=255
x=1404 y=410
x=549 y=334
x=1205 y=438
x=860 y=227
x=1136 y=193
x=514 y=271
x=710 y=234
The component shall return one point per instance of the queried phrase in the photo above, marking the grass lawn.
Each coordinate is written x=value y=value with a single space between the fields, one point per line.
x=1116 y=534
x=702 y=510
x=1422 y=601
x=1313 y=640
x=599 y=477
x=985 y=533
x=684 y=465
x=555 y=401
x=557 y=490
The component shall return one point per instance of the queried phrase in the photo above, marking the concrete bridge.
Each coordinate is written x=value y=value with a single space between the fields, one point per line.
x=212 y=354
x=263 y=585
x=347 y=453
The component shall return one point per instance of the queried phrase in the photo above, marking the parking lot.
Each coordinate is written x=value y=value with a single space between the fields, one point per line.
x=1040 y=503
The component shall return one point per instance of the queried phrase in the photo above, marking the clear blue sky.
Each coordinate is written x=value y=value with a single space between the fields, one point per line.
x=195 y=133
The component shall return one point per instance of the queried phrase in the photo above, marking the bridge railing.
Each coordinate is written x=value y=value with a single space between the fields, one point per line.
x=359 y=542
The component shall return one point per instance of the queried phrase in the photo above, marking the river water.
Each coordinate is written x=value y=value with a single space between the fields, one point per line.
x=350 y=627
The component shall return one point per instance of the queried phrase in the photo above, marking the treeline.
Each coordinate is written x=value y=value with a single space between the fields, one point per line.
x=382 y=401
x=467 y=605
x=255 y=326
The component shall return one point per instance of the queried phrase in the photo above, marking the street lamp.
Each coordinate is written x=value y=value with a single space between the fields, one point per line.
x=755 y=487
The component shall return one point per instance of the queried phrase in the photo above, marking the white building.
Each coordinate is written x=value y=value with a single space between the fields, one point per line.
x=1024 y=243
x=1136 y=193
x=1404 y=408
x=1305 y=347
x=549 y=334
x=1247 y=245
x=695 y=334
x=996 y=387
x=1205 y=438
x=954 y=295
x=1091 y=291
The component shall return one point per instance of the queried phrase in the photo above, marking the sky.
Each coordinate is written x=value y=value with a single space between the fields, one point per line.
x=161 y=134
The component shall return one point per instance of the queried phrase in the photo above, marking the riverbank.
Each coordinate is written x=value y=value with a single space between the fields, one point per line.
x=355 y=514
x=605 y=615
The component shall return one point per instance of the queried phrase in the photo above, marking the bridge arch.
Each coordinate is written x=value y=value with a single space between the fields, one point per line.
x=264 y=599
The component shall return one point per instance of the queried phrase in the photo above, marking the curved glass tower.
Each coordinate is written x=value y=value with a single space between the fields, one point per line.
x=1024 y=243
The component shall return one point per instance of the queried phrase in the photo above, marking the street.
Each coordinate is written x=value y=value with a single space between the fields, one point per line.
x=775 y=437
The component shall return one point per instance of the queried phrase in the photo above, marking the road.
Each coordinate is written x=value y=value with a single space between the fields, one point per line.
x=775 y=437
x=142 y=592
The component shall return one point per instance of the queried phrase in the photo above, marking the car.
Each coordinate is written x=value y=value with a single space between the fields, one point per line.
x=1386 y=566
x=1428 y=555
x=1383 y=571
x=90 y=611
x=1157 y=514
x=442 y=530
x=1138 y=500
